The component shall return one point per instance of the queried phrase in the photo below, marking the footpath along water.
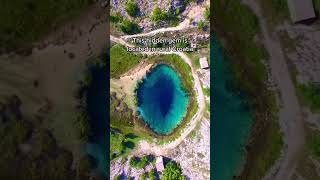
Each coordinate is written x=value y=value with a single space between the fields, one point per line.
x=232 y=120
x=162 y=102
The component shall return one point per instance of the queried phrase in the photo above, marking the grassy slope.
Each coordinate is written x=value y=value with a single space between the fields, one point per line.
x=237 y=25
x=276 y=11
x=121 y=60
x=24 y=21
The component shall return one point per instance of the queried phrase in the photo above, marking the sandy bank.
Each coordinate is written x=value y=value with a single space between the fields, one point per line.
x=125 y=85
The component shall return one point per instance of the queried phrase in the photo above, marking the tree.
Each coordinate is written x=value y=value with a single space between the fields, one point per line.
x=129 y=27
x=156 y=14
x=132 y=8
x=173 y=171
x=143 y=162
x=143 y=176
x=133 y=162
x=207 y=14
x=152 y=174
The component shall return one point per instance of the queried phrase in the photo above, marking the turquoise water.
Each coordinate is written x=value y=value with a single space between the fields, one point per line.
x=232 y=119
x=162 y=103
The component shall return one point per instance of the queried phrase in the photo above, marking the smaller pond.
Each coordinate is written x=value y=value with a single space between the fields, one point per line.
x=162 y=101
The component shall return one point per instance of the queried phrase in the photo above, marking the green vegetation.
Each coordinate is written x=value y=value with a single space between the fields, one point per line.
x=116 y=18
x=139 y=163
x=152 y=174
x=276 y=11
x=310 y=95
x=207 y=14
x=129 y=27
x=120 y=144
x=132 y=8
x=173 y=171
x=121 y=60
x=201 y=25
x=238 y=26
x=315 y=146
x=116 y=144
x=316 y=5
x=143 y=176
x=158 y=15
x=118 y=177
x=206 y=91
x=23 y=22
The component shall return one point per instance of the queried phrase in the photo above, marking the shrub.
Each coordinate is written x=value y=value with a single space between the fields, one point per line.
x=118 y=177
x=143 y=162
x=152 y=174
x=173 y=171
x=139 y=164
x=144 y=176
x=129 y=27
x=132 y=8
x=133 y=162
x=158 y=15
x=201 y=25
x=207 y=14
x=116 y=18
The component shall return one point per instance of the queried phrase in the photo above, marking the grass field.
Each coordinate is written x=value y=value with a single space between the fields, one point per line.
x=25 y=21
x=122 y=60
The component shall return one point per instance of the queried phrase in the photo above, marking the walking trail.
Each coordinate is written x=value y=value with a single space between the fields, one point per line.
x=146 y=147
x=290 y=116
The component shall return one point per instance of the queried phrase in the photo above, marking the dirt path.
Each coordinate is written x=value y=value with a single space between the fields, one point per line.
x=290 y=116
x=147 y=148
x=184 y=25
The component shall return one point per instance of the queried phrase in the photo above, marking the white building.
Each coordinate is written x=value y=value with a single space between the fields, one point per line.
x=159 y=164
x=204 y=63
x=301 y=10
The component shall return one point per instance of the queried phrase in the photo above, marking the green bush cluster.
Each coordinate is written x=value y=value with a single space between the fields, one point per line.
x=276 y=11
x=129 y=27
x=315 y=146
x=201 y=25
x=132 y=8
x=158 y=15
x=135 y=162
x=311 y=95
x=116 y=18
x=152 y=174
x=207 y=14
x=173 y=171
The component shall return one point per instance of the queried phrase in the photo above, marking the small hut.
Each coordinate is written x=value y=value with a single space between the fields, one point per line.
x=159 y=164
x=204 y=63
x=301 y=10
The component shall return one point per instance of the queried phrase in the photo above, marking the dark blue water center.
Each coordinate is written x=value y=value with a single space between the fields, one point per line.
x=162 y=102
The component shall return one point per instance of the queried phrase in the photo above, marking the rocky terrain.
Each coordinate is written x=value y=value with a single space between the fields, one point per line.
x=193 y=155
